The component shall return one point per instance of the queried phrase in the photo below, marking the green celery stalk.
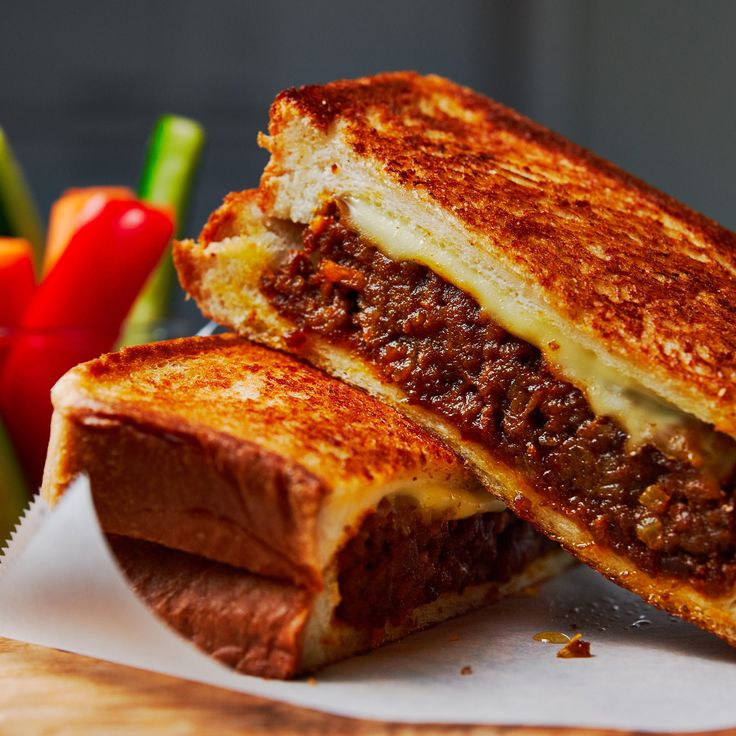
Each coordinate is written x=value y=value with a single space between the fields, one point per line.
x=18 y=212
x=172 y=159
x=13 y=490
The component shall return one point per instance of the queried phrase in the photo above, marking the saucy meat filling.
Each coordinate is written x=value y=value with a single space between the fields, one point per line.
x=399 y=559
x=432 y=339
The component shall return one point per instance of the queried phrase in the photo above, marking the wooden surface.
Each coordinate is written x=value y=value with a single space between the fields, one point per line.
x=48 y=691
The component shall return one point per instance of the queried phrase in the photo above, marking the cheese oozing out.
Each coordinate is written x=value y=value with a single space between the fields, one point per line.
x=645 y=417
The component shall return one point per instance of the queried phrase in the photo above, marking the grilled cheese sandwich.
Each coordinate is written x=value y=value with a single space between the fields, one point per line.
x=278 y=518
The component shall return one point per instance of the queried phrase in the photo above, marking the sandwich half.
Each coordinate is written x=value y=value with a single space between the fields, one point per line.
x=565 y=327
x=280 y=519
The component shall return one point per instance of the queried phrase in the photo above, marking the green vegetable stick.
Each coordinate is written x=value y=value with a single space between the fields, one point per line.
x=172 y=160
x=18 y=212
x=13 y=491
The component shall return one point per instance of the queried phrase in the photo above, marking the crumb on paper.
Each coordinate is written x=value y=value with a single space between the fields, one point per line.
x=576 y=648
x=311 y=681
x=467 y=670
x=454 y=637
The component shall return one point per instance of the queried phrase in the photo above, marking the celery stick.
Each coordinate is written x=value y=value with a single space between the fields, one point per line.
x=172 y=160
x=19 y=214
x=13 y=491
x=171 y=164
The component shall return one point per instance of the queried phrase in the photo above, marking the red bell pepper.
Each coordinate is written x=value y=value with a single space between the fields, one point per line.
x=16 y=288
x=75 y=314
x=71 y=211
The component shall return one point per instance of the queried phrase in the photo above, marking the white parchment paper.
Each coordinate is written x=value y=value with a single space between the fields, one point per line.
x=61 y=587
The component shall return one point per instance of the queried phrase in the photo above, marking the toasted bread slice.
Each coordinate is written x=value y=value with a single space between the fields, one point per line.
x=318 y=498
x=636 y=291
x=655 y=519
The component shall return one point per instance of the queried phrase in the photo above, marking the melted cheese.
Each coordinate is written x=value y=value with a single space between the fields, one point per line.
x=454 y=503
x=341 y=514
x=645 y=417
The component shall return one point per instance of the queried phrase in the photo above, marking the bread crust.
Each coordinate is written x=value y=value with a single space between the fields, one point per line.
x=250 y=623
x=645 y=278
x=233 y=503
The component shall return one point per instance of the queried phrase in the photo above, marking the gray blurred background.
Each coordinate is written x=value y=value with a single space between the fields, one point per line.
x=649 y=85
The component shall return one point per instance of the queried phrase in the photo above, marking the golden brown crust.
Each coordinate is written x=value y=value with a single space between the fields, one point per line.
x=189 y=267
x=651 y=280
x=246 y=391
x=227 y=220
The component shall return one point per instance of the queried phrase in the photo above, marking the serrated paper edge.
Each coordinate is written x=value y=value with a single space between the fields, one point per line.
x=29 y=523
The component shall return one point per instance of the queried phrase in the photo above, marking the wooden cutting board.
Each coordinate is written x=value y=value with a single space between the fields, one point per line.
x=52 y=692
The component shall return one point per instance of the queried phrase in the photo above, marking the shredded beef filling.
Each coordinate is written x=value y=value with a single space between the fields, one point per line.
x=399 y=560
x=431 y=339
